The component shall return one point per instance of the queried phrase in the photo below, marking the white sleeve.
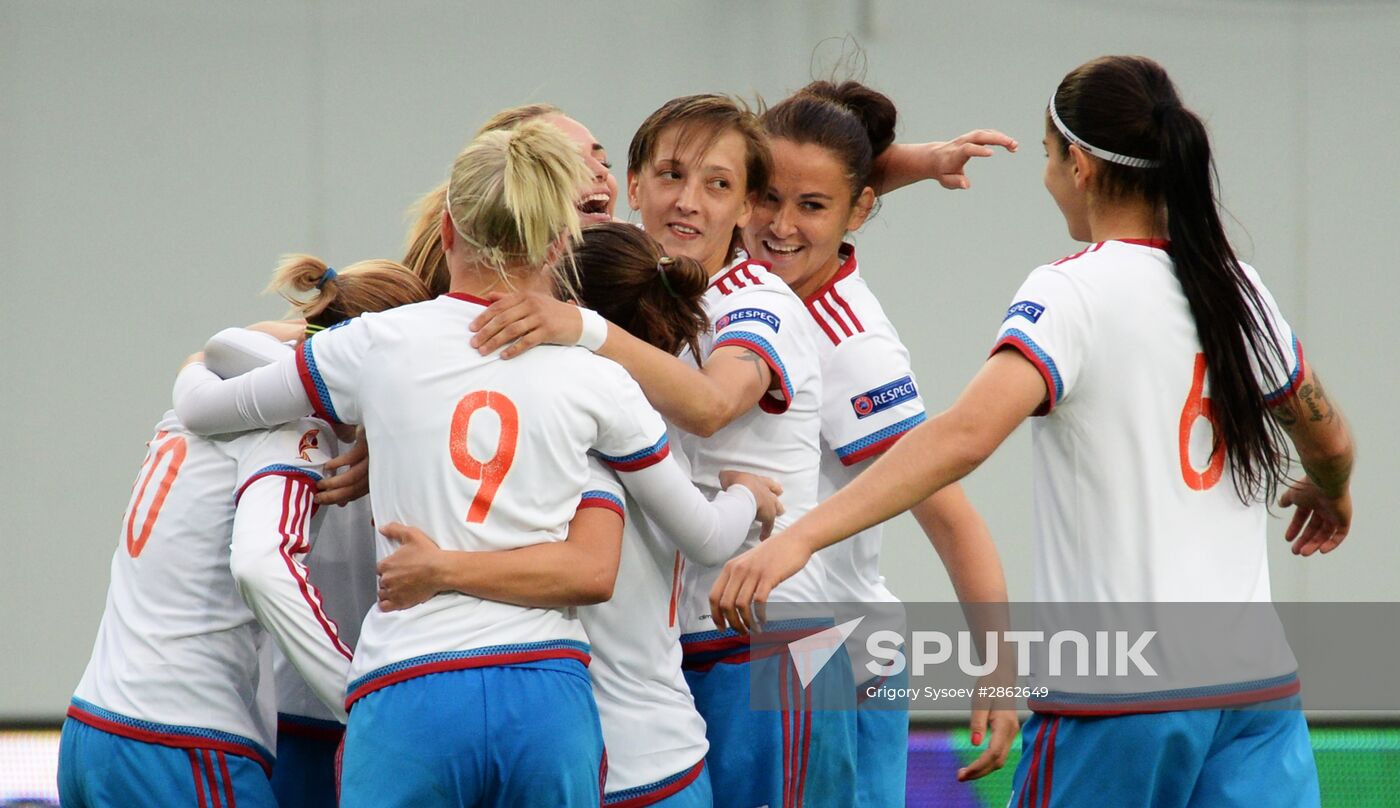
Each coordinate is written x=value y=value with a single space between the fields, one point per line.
x=321 y=378
x=1048 y=324
x=768 y=322
x=235 y=351
x=266 y=397
x=1279 y=383
x=631 y=435
x=272 y=533
x=707 y=531
x=869 y=397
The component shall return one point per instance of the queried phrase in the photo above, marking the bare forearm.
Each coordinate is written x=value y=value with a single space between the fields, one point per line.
x=964 y=544
x=678 y=390
x=548 y=575
x=931 y=456
x=1320 y=434
x=901 y=164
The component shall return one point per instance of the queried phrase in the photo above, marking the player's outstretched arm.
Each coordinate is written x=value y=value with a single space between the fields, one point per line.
x=266 y=397
x=945 y=161
x=939 y=451
x=579 y=571
x=698 y=401
x=1326 y=450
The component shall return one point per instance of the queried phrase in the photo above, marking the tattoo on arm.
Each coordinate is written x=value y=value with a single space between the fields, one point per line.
x=1315 y=399
x=758 y=363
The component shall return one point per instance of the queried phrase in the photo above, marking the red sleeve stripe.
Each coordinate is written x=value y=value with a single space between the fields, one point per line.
x=316 y=391
x=297 y=509
x=602 y=499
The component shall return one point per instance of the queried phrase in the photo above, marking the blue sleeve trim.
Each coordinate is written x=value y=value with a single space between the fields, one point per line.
x=1022 y=338
x=754 y=342
x=639 y=459
x=859 y=447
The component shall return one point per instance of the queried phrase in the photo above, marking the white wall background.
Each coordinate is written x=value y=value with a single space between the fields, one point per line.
x=156 y=157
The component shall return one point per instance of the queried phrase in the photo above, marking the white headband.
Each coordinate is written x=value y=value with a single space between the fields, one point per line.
x=1102 y=154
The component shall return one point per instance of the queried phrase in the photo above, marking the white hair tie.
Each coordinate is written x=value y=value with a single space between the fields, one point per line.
x=1102 y=154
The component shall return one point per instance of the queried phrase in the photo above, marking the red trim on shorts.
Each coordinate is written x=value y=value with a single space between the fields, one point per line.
x=198 y=779
x=462 y=663
x=1050 y=762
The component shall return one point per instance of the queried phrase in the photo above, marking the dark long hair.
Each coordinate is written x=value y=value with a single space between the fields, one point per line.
x=627 y=278
x=1128 y=105
x=852 y=121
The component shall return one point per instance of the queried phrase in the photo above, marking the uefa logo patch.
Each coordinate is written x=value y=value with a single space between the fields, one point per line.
x=883 y=397
x=1025 y=308
x=764 y=316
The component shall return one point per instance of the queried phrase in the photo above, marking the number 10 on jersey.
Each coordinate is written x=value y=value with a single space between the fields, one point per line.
x=492 y=471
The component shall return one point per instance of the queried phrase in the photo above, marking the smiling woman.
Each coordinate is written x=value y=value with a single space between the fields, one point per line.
x=597 y=198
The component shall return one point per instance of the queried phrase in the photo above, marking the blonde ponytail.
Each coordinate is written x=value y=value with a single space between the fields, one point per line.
x=374 y=285
x=423 y=254
x=513 y=193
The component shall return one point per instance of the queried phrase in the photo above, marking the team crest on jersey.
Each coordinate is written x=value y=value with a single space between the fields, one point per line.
x=883 y=397
x=764 y=316
x=1025 y=308
x=308 y=442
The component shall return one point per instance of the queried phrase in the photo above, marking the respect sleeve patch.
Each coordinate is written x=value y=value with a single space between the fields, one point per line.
x=1025 y=308
x=764 y=316
x=883 y=397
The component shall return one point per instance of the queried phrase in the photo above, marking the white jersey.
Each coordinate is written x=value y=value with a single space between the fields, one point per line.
x=869 y=401
x=650 y=726
x=179 y=658
x=341 y=561
x=1129 y=505
x=751 y=307
x=341 y=566
x=482 y=454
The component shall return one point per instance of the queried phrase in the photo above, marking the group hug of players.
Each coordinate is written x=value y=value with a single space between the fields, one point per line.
x=577 y=435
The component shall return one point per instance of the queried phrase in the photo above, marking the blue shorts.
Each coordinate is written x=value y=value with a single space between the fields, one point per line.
x=687 y=789
x=304 y=774
x=507 y=735
x=788 y=755
x=98 y=769
x=882 y=743
x=1188 y=759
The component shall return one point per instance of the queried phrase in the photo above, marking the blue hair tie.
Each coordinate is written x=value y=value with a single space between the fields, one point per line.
x=329 y=275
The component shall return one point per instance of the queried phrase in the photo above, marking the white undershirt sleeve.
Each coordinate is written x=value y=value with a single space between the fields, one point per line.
x=707 y=532
x=262 y=398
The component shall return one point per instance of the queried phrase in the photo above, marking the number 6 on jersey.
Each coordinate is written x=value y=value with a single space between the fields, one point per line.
x=494 y=469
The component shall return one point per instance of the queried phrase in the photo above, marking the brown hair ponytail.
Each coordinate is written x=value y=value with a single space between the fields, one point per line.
x=337 y=295
x=630 y=281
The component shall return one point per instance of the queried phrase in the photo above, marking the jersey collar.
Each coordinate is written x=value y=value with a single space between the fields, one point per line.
x=1155 y=243
x=844 y=271
x=468 y=298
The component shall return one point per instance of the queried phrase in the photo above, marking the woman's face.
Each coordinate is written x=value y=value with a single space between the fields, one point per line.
x=799 y=223
x=599 y=198
x=1061 y=181
x=691 y=198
